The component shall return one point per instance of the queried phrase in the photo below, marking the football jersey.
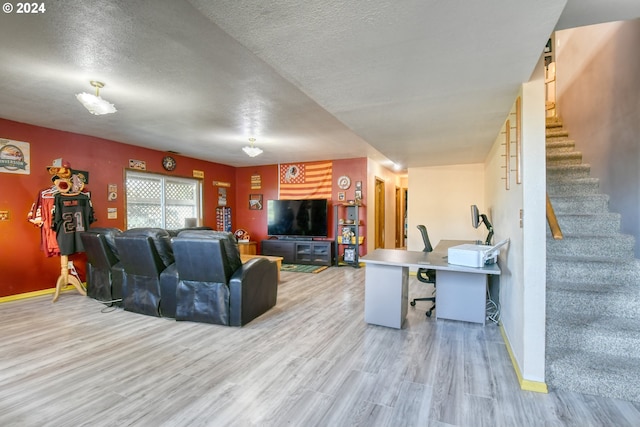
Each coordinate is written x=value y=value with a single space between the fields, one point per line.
x=41 y=215
x=72 y=215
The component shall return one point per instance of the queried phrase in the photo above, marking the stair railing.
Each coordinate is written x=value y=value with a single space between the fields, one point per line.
x=556 y=232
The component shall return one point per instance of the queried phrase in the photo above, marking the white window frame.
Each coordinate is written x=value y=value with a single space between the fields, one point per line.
x=164 y=179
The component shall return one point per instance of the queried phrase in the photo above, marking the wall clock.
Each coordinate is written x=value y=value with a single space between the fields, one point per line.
x=169 y=163
x=344 y=182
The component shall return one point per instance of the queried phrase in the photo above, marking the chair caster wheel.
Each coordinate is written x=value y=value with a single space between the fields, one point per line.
x=413 y=303
x=428 y=313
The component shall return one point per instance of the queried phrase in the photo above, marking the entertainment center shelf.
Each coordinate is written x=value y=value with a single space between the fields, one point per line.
x=315 y=252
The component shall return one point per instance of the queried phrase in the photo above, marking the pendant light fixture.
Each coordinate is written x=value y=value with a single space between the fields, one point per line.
x=94 y=103
x=251 y=150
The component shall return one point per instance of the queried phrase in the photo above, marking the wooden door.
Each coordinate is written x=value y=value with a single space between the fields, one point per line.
x=379 y=216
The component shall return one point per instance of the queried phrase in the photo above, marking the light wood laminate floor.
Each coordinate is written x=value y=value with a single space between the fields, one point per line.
x=310 y=361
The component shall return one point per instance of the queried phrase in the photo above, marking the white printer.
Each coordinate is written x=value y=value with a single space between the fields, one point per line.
x=470 y=255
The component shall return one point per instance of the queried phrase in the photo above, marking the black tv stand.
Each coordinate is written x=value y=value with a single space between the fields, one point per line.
x=300 y=251
x=297 y=239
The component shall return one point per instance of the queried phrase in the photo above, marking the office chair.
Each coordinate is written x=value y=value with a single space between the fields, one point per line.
x=426 y=275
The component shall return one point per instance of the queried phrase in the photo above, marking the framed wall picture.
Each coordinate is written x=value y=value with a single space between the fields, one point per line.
x=342 y=196
x=255 y=202
x=349 y=254
x=358 y=195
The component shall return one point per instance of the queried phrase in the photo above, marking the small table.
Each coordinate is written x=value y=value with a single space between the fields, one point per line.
x=277 y=259
x=247 y=248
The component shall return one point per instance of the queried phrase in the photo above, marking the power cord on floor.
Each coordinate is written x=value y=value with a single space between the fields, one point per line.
x=109 y=305
x=493 y=309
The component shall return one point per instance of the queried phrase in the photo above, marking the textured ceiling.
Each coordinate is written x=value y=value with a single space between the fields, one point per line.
x=422 y=82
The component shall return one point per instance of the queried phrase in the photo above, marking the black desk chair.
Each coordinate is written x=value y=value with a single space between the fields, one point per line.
x=426 y=275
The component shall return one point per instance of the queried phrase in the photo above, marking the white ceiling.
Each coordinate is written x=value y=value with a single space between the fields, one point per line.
x=416 y=82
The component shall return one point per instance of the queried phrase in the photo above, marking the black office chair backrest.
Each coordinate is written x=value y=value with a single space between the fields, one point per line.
x=425 y=238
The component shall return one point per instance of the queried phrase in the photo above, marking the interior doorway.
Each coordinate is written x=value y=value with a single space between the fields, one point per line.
x=379 y=214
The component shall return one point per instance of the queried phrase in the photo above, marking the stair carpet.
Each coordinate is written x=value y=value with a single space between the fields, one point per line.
x=593 y=295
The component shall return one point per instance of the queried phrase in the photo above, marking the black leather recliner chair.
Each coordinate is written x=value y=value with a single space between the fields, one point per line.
x=105 y=273
x=146 y=254
x=214 y=286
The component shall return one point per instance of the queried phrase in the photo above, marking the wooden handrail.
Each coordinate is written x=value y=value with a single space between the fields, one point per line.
x=553 y=221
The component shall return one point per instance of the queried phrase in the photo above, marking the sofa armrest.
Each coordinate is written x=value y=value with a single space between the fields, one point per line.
x=253 y=290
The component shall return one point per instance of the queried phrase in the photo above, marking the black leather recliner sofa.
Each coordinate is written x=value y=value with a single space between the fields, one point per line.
x=146 y=254
x=213 y=284
x=105 y=273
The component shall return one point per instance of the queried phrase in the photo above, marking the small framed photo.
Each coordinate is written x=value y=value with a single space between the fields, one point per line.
x=255 y=202
x=342 y=196
x=349 y=255
x=358 y=185
x=358 y=194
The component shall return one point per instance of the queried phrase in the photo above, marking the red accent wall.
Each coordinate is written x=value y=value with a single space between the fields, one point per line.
x=23 y=267
x=255 y=221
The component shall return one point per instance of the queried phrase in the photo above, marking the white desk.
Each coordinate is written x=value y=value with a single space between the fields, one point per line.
x=461 y=291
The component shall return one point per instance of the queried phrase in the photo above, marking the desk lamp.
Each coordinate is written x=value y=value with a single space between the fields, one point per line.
x=477 y=218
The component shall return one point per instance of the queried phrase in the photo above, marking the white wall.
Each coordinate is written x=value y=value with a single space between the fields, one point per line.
x=599 y=104
x=440 y=197
x=523 y=264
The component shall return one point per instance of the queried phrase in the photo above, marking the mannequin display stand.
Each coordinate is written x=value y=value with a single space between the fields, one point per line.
x=65 y=279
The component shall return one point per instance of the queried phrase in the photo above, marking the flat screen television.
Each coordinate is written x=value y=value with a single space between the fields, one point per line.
x=297 y=218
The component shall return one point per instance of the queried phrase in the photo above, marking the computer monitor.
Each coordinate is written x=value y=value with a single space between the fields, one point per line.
x=477 y=218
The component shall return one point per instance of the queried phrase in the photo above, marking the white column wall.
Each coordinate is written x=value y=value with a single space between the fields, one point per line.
x=523 y=280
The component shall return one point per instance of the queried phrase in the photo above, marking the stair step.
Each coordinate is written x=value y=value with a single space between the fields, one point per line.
x=588 y=270
x=568 y=187
x=586 y=372
x=556 y=132
x=596 y=247
x=602 y=333
x=568 y=306
x=580 y=203
x=564 y=158
x=560 y=146
x=598 y=224
x=568 y=171
x=553 y=122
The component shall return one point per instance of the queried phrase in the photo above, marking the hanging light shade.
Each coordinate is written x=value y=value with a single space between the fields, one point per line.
x=94 y=103
x=251 y=150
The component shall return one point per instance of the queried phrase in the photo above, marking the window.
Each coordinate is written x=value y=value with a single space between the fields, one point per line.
x=162 y=201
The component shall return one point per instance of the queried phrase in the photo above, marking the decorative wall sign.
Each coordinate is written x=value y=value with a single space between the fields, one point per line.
x=222 y=196
x=255 y=202
x=198 y=174
x=112 y=213
x=14 y=157
x=256 y=182
x=140 y=165
x=112 y=192
x=4 y=215
x=221 y=184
